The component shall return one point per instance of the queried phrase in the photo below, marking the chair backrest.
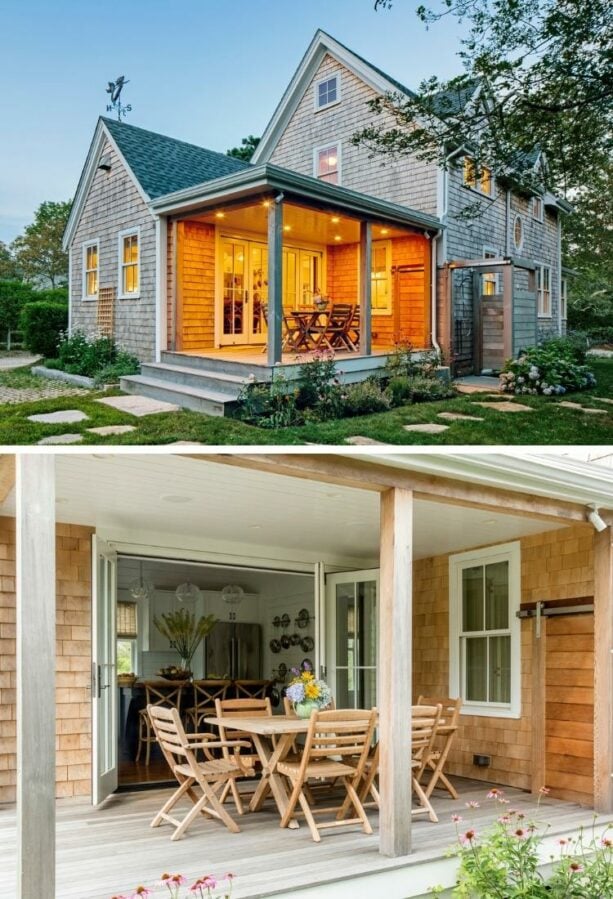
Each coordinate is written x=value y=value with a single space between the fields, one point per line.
x=340 y=733
x=251 y=689
x=170 y=734
x=341 y=314
x=450 y=717
x=424 y=723
x=207 y=691
x=165 y=694
x=240 y=708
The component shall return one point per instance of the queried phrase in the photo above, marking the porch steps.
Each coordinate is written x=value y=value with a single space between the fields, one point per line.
x=210 y=364
x=203 y=379
x=207 y=400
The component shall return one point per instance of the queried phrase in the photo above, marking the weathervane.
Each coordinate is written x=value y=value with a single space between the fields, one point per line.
x=114 y=89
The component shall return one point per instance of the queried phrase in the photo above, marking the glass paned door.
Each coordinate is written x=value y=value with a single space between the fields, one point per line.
x=104 y=672
x=245 y=291
x=351 y=638
x=258 y=278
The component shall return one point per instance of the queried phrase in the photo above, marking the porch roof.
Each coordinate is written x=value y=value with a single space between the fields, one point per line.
x=258 y=179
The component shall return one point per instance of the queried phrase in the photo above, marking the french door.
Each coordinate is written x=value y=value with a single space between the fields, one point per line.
x=351 y=637
x=245 y=291
x=104 y=672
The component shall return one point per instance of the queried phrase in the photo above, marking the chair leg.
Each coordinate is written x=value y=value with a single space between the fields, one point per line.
x=236 y=796
x=424 y=801
x=183 y=788
x=140 y=739
x=291 y=805
x=304 y=805
x=355 y=799
x=148 y=751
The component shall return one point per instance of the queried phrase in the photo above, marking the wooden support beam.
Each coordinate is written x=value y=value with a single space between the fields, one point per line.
x=7 y=475
x=358 y=474
x=275 y=282
x=365 y=288
x=603 y=671
x=179 y=250
x=395 y=671
x=538 y=668
x=35 y=570
x=507 y=311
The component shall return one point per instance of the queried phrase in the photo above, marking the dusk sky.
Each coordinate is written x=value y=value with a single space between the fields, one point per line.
x=203 y=71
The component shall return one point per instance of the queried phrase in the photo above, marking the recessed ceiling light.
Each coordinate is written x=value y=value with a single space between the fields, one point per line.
x=176 y=498
x=287 y=227
x=335 y=220
x=220 y=215
x=337 y=237
x=385 y=230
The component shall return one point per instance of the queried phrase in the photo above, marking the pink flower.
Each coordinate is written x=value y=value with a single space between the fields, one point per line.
x=520 y=833
x=575 y=868
x=495 y=793
x=456 y=819
x=468 y=837
x=229 y=876
x=504 y=819
x=606 y=842
x=472 y=804
x=544 y=791
x=141 y=891
x=562 y=841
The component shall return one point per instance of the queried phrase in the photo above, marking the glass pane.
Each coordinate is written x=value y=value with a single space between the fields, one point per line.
x=289 y=278
x=476 y=669
x=344 y=695
x=472 y=599
x=345 y=624
x=367 y=623
x=259 y=287
x=234 y=287
x=497 y=596
x=366 y=688
x=500 y=669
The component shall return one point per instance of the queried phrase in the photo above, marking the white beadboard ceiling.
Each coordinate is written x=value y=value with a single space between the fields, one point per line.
x=133 y=493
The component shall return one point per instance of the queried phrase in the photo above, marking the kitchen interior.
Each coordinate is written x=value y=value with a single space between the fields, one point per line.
x=265 y=626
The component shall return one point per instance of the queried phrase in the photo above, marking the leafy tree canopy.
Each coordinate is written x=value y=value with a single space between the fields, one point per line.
x=38 y=251
x=537 y=73
x=9 y=270
x=246 y=149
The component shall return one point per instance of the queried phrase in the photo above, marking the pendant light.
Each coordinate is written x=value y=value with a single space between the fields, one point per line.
x=187 y=592
x=140 y=588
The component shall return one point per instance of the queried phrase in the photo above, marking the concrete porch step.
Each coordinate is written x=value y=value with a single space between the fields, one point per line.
x=203 y=379
x=209 y=401
x=262 y=371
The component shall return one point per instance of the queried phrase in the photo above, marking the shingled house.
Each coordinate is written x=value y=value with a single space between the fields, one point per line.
x=192 y=259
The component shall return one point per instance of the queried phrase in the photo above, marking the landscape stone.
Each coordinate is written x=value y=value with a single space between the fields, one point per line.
x=108 y=430
x=457 y=416
x=60 y=438
x=602 y=399
x=138 y=405
x=506 y=406
x=427 y=429
x=63 y=417
x=567 y=404
x=365 y=441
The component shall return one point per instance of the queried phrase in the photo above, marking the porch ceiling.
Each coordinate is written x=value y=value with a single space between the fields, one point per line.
x=207 y=506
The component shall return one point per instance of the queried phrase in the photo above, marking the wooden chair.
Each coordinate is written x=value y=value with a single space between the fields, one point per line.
x=163 y=694
x=333 y=738
x=241 y=708
x=211 y=776
x=205 y=694
x=445 y=734
x=251 y=689
x=424 y=724
x=335 y=332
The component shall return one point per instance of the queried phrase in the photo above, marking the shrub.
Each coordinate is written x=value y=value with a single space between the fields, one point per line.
x=319 y=387
x=364 y=398
x=13 y=297
x=401 y=362
x=551 y=369
x=417 y=389
x=272 y=405
x=94 y=357
x=52 y=295
x=124 y=364
x=42 y=323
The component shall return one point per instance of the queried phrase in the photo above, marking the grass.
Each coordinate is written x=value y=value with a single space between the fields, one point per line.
x=548 y=424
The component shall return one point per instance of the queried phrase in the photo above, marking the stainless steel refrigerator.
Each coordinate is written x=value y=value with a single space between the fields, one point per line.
x=234 y=650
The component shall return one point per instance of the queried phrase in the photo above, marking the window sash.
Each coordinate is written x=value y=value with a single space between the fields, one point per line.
x=380 y=276
x=91 y=269
x=127 y=620
x=327 y=92
x=328 y=164
x=544 y=290
x=537 y=208
x=130 y=264
x=564 y=297
x=483 y=183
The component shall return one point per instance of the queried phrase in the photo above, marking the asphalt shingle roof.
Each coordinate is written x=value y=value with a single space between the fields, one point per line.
x=162 y=164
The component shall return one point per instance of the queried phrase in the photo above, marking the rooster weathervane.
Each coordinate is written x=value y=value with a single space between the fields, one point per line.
x=115 y=88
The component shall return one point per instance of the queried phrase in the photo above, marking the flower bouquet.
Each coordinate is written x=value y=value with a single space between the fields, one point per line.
x=307 y=692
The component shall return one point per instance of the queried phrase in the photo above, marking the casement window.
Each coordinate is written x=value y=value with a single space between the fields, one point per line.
x=90 y=270
x=328 y=163
x=490 y=281
x=537 y=208
x=381 y=277
x=564 y=298
x=481 y=180
x=518 y=232
x=127 y=634
x=543 y=286
x=484 y=631
x=327 y=92
x=129 y=264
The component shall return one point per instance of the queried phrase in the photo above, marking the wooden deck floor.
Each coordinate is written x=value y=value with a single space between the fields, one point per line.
x=111 y=850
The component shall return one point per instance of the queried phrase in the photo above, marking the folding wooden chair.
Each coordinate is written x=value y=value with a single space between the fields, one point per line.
x=445 y=734
x=205 y=694
x=334 y=333
x=424 y=723
x=240 y=708
x=163 y=695
x=211 y=776
x=332 y=738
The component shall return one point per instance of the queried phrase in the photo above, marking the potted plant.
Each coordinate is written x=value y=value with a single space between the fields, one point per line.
x=307 y=692
x=185 y=634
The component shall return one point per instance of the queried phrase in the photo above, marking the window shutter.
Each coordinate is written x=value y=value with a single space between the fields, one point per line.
x=126 y=620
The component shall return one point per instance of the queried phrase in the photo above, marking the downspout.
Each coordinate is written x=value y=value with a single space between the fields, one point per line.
x=559 y=278
x=433 y=280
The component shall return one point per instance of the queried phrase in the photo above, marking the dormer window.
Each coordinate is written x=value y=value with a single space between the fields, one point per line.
x=327 y=92
x=328 y=163
x=537 y=208
x=477 y=179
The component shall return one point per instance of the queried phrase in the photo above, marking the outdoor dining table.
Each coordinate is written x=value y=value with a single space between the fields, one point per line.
x=273 y=739
x=307 y=319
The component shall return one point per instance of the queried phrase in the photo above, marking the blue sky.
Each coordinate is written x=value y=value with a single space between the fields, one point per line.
x=206 y=71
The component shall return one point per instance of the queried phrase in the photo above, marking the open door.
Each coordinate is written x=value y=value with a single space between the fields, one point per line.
x=351 y=637
x=104 y=673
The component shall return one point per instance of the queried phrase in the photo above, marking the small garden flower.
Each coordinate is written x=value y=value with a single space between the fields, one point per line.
x=495 y=793
x=456 y=819
x=468 y=836
x=472 y=804
x=576 y=868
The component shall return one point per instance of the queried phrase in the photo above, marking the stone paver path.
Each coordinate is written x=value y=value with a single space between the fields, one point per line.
x=64 y=416
x=567 y=404
x=427 y=429
x=138 y=405
x=365 y=441
x=603 y=399
x=477 y=384
x=60 y=438
x=456 y=416
x=17 y=360
x=47 y=391
x=506 y=406
x=110 y=430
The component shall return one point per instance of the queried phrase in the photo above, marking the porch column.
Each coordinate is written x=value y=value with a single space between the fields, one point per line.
x=35 y=570
x=603 y=671
x=395 y=670
x=365 y=288
x=275 y=282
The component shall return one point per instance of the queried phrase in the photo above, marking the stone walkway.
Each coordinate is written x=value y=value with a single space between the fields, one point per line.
x=17 y=360
x=47 y=391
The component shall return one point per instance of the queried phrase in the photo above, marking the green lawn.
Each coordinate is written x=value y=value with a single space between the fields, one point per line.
x=549 y=424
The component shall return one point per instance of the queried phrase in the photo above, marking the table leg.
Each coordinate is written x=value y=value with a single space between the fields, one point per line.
x=270 y=778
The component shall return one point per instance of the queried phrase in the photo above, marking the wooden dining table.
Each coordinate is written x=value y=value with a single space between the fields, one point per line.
x=306 y=320
x=273 y=738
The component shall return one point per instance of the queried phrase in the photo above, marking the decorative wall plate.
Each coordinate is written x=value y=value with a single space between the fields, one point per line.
x=295 y=639
x=276 y=621
x=275 y=646
x=282 y=670
x=307 y=644
x=303 y=618
x=285 y=620
x=307 y=662
x=285 y=641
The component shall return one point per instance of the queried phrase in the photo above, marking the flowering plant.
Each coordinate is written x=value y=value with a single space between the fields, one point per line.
x=549 y=369
x=305 y=687
x=205 y=887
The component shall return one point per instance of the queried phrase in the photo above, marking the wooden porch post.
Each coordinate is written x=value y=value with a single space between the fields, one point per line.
x=365 y=288
x=508 y=281
x=275 y=282
x=395 y=670
x=35 y=569
x=603 y=671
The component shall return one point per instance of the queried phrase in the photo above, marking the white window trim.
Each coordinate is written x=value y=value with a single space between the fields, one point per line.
x=91 y=297
x=532 y=207
x=477 y=188
x=564 y=298
x=497 y=255
x=541 y=293
x=339 y=157
x=388 y=265
x=518 y=246
x=128 y=232
x=316 y=105
x=510 y=552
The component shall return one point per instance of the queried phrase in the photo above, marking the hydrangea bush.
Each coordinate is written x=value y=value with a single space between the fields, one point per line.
x=551 y=369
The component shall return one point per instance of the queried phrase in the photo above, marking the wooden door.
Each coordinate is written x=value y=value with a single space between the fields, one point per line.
x=569 y=707
x=409 y=320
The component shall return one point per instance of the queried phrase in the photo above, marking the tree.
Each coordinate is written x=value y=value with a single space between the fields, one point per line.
x=14 y=295
x=246 y=149
x=38 y=251
x=537 y=73
x=9 y=270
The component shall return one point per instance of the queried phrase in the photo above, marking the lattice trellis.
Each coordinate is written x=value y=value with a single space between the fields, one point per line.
x=105 y=315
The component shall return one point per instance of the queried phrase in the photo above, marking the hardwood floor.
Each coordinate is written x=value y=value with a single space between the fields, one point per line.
x=101 y=852
x=134 y=773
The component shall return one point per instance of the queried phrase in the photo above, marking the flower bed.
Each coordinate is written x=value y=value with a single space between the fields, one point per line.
x=177 y=886
x=551 y=369
x=92 y=356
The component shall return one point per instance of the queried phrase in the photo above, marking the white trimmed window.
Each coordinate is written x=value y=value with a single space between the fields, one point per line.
x=543 y=286
x=381 y=277
x=484 y=630
x=564 y=298
x=490 y=280
x=328 y=163
x=127 y=635
x=518 y=232
x=327 y=92
x=481 y=181
x=129 y=264
x=90 y=270
x=537 y=208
